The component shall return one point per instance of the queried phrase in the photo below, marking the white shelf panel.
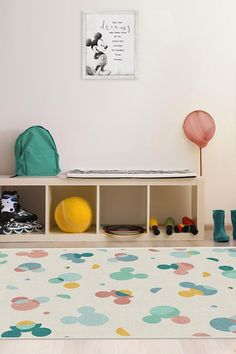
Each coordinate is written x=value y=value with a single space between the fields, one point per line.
x=63 y=181
x=102 y=236
x=132 y=202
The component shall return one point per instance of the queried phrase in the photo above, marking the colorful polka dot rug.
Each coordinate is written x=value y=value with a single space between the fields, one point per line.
x=118 y=293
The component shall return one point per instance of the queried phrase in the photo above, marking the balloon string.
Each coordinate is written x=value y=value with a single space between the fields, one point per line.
x=200 y=161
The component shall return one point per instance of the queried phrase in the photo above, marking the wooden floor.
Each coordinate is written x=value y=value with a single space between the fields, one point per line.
x=124 y=346
x=114 y=346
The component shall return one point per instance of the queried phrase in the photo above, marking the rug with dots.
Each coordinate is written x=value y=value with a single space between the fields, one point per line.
x=118 y=293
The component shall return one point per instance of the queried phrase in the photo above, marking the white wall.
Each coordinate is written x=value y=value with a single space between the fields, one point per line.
x=186 y=61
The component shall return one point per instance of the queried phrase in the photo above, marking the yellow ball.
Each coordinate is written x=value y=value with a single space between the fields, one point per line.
x=73 y=214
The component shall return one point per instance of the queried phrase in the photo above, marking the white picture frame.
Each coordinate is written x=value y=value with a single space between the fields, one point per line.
x=109 y=45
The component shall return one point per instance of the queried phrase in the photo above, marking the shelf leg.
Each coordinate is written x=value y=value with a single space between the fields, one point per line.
x=98 y=211
x=198 y=207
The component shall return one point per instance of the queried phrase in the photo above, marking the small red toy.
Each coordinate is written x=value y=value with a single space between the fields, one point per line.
x=189 y=226
x=179 y=228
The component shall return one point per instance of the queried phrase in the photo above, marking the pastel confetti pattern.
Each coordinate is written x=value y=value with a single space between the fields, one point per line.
x=118 y=293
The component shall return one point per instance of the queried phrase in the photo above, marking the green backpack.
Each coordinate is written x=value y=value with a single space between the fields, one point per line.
x=36 y=153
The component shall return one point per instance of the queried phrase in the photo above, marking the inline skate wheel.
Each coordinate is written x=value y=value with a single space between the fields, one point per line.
x=18 y=231
x=7 y=231
x=29 y=230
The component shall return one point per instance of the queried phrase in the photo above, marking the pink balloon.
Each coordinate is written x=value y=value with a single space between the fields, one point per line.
x=199 y=127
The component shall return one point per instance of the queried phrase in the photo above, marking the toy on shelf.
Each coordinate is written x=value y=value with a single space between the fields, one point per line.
x=124 y=230
x=189 y=226
x=178 y=228
x=73 y=215
x=13 y=219
x=154 y=226
x=169 y=224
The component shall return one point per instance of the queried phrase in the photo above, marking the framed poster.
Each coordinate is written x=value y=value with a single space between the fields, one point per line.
x=108 y=45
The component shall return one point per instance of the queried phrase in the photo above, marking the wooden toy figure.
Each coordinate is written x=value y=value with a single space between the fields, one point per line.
x=169 y=224
x=179 y=228
x=189 y=226
x=154 y=226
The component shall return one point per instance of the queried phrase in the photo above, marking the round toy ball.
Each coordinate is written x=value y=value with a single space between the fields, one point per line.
x=73 y=214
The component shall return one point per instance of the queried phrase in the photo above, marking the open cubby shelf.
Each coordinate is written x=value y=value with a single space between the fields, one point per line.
x=113 y=201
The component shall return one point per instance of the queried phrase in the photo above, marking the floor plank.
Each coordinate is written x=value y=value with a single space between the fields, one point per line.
x=127 y=346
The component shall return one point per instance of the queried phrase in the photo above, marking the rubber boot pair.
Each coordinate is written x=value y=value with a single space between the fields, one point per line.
x=219 y=233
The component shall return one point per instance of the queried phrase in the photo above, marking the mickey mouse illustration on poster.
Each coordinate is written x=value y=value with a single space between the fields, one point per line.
x=99 y=48
x=108 y=45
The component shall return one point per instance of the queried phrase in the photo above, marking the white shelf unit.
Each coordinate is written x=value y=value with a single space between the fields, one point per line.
x=113 y=201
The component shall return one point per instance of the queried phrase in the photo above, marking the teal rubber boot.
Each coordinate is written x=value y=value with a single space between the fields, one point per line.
x=219 y=226
x=233 y=219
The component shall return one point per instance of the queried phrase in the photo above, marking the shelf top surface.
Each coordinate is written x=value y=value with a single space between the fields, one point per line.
x=62 y=180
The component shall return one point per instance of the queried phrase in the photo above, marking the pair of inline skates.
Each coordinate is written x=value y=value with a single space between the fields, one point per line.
x=13 y=219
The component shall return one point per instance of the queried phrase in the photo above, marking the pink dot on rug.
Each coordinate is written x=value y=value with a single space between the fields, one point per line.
x=186 y=265
x=122 y=301
x=200 y=334
x=21 y=254
x=37 y=254
x=103 y=293
x=183 y=268
x=181 y=319
x=24 y=304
